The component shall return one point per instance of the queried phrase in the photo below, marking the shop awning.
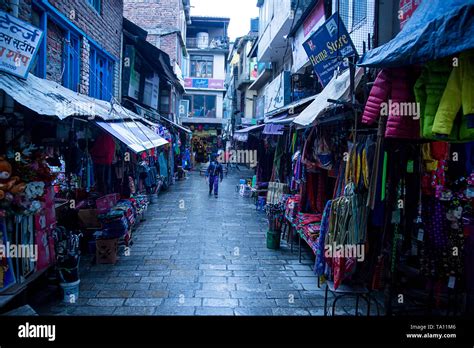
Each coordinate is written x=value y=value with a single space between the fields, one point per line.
x=274 y=129
x=437 y=29
x=177 y=126
x=134 y=135
x=286 y=109
x=338 y=89
x=51 y=99
x=243 y=134
x=287 y=119
x=250 y=129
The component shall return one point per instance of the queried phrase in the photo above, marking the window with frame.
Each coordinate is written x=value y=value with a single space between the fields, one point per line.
x=73 y=61
x=165 y=96
x=359 y=12
x=344 y=11
x=96 y=4
x=101 y=76
x=202 y=105
x=38 y=67
x=202 y=66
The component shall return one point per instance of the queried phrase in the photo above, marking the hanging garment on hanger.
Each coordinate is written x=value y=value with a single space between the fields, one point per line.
x=319 y=264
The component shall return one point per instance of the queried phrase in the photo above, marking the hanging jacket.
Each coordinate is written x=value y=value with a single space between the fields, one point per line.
x=459 y=93
x=103 y=150
x=393 y=87
x=429 y=89
x=215 y=169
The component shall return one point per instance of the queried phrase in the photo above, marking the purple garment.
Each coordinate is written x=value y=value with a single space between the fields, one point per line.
x=320 y=262
x=436 y=228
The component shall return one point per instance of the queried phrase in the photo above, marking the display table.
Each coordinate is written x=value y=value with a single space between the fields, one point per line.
x=308 y=232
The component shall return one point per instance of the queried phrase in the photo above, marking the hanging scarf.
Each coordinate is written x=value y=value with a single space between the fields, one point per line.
x=320 y=261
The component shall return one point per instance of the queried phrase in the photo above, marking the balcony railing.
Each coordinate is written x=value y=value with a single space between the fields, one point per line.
x=214 y=43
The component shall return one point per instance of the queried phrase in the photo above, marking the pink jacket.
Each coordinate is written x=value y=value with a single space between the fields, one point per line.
x=392 y=95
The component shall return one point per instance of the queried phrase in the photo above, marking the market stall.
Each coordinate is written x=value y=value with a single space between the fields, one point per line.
x=77 y=185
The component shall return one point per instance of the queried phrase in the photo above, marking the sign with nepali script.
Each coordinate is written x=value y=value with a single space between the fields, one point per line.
x=327 y=47
x=203 y=83
x=19 y=42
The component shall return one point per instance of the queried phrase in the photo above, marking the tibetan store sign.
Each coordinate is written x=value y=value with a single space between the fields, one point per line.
x=203 y=83
x=19 y=42
x=327 y=46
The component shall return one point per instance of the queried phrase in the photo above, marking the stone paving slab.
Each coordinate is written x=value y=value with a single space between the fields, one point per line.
x=207 y=259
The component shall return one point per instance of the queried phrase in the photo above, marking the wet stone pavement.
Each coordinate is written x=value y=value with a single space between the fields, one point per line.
x=198 y=255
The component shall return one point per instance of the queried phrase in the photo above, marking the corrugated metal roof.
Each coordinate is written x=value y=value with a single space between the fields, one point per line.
x=286 y=108
x=51 y=99
x=250 y=129
x=135 y=135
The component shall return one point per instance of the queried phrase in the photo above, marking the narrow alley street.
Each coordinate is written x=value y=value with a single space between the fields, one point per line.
x=209 y=257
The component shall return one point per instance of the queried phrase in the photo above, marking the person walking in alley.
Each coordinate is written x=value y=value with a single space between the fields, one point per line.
x=214 y=173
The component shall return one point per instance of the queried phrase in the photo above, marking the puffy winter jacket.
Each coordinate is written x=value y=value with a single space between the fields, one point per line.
x=429 y=89
x=459 y=92
x=392 y=94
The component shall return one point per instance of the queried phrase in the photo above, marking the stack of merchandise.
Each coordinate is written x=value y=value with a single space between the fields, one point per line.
x=140 y=203
x=114 y=224
x=309 y=226
x=127 y=207
x=292 y=207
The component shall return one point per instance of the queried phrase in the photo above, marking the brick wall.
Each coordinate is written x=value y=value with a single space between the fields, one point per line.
x=157 y=17
x=168 y=44
x=54 y=57
x=104 y=28
x=84 y=77
x=24 y=10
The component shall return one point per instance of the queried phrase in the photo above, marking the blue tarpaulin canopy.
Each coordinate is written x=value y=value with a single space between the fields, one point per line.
x=437 y=29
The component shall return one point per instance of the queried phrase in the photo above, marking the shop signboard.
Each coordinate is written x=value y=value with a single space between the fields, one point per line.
x=253 y=69
x=131 y=76
x=277 y=92
x=151 y=90
x=407 y=7
x=315 y=20
x=260 y=108
x=184 y=108
x=200 y=83
x=19 y=43
x=327 y=46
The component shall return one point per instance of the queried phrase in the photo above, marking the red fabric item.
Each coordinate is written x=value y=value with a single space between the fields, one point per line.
x=342 y=268
x=439 y=150
x=311 y=191
x=393 y=87
x=321 y=193
x=103 y=150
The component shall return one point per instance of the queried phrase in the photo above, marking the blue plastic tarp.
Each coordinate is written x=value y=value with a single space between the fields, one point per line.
x=437 y=29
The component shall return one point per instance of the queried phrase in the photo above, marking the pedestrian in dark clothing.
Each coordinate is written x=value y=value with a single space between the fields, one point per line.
x=214 y=173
